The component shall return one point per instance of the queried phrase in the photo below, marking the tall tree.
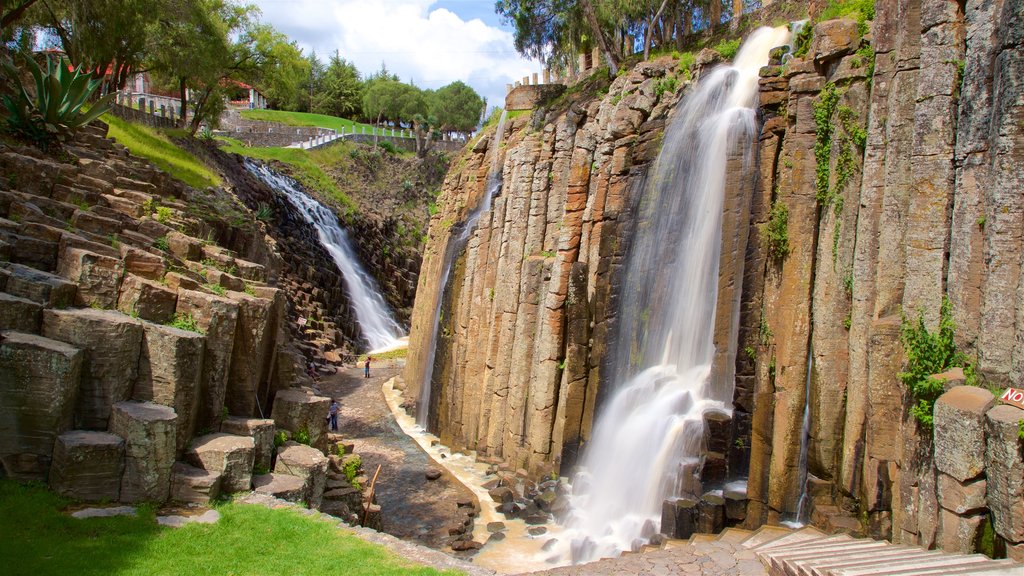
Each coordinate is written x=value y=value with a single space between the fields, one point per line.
x=457 y=107
x=282 y=72
x=341 y=92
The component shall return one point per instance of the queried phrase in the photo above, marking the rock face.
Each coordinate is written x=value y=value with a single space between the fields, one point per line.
x=262 y=433
x=297 y=410
x=88 y=466
x=112 y=342
x=149 y=432
x=170 y=374
x=310 y=464
x=960 y=431
x=37 y=400
x=503 y=383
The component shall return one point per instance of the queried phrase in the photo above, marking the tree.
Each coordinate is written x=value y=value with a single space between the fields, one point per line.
x=341 y=92
x=12 y=11
x=281 y=75
x=312 y=84
x=457 y=107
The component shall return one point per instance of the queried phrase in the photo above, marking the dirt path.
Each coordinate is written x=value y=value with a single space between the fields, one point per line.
x=412 y=507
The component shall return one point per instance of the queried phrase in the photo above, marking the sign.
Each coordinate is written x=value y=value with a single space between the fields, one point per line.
x=301 y=322
x=1013 y=397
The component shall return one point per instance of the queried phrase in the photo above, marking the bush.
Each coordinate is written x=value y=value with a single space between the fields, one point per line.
x=280 y=437
x=302 y=436
x=862 y=11
x=185 y=322
x=728 y=48
x=929 y=354
x=388 y=146
x=58 y=108
x=351 y=469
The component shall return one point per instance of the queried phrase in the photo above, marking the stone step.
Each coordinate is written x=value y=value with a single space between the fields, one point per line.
x=765 y=534
x=734 y=535
x=819 y=551
x=822 y=567
x=916 y=563
x=803 y=535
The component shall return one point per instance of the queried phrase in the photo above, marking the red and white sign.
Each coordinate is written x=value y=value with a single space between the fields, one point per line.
x=1014 y=397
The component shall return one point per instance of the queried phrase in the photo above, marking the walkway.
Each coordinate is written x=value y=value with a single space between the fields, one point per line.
x=412 y=507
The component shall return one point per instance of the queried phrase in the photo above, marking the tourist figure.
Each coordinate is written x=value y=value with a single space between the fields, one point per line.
x=332 y=415
x=367 y=366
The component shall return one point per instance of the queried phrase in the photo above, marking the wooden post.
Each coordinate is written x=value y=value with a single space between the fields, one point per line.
x=369 y=501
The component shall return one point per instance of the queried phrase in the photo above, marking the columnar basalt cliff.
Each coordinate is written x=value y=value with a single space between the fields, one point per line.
x=888 y=182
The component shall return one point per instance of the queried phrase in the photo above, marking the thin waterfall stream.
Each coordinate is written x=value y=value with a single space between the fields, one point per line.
x=648 y=438
x=456 y=244
x=376 y=323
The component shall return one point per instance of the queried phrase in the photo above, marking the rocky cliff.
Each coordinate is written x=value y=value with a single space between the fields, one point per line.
x=888 y=180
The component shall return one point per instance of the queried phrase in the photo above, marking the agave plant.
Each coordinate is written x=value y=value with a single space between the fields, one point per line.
x=58 y=108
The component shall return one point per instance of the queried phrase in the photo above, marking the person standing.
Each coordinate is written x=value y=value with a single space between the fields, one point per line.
x=333 y=415
x=367 y=366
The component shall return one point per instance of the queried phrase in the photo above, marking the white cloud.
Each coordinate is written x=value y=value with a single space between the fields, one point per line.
x=430 y=47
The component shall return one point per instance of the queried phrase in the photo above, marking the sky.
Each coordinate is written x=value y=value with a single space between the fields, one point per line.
x=428 y=42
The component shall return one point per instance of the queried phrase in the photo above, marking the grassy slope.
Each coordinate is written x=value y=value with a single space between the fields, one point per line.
x=157 y=148
x=251 y=540
x=304 y=119
x=308 y=165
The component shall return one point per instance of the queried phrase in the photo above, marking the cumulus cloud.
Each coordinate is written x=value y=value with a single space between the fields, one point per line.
x=428 y=46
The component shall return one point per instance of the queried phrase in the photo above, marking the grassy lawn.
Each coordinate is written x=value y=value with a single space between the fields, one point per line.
x=250 y=540
x=305 y=119
x=157 y=148
x=308 y=165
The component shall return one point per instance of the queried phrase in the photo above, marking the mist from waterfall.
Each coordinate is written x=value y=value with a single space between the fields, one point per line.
x=376 y=323
x=456 y=244
x=648 y=438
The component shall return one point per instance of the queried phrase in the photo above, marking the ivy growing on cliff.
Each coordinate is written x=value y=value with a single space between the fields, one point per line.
x=930 y=353
x=775 y=232
x=823 y=129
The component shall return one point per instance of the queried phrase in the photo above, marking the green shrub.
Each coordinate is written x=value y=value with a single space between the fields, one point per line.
x=185 y=322
x=58 y=108
x=163 y=214
x=823 y=128
x=264 y=213
x=728 y=48
x=351 y=469
x=863 y=11
x=927 y=354
x=666 y=84
x=388 y=146
x=775 y=232
x=216 y=289
x=280 y=437
x=686 y=62
x=302 y=436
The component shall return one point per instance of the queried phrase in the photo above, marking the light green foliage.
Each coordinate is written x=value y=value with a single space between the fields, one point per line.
x=40 y=538
x=802 y=42
x=863 y=11
x=764 y=332
x=728 y=48
x=302 y=436
x=686 y=62
x=185 y=322
x=351 y=469
x=115 y=243
x=341 y=91
x=457 y=107
x=280 y=437
x=750 y=352
x=927 y=354
x=264 y=213
x=667 y=84
x=57 y=108
x=306 y=119
x=775 y=232
x=865 y=57
x=980 y=222
x=1020 y=429
x=823 y=109
x=159 y=149
x=216 y=289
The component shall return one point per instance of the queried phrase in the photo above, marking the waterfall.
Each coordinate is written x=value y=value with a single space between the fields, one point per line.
x=456 y=244
x=805 y=441
x=376 y=324
x=648 y=438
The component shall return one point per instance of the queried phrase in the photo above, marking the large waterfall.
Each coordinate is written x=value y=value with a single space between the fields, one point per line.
x=648 y=438
x=376 y=324
x=456 y=244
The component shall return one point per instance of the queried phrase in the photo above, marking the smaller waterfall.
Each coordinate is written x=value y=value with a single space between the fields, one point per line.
x=376 y=324
x=805 y=440
x=456 y=244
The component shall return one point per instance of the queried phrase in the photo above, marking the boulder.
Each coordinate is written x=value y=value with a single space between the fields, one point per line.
x=142 y=263
x=147 y=299
x=112 y=344
x=262 y=433
x=679 y=518
x=87 y=466
x=1004 y=471
x=217 y=317
x=20 y=314
x=960 y=533
x=98 y=277
x=305 y=462
x=959 y=429
x=191 y=485
x=42 y=287
x=39 y=380
x=962 y=498
x=170 y=367
x=834 y=38
x=149 y=433
x=230 y=455
x=296 y=409
x=283 y=486
x=184 y=247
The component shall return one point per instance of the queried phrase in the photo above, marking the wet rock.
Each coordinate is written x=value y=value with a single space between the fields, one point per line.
x=537 y=531
x=501 y=494
x=495 y=527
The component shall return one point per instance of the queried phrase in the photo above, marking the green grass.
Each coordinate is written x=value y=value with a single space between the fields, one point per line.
x=157 y=148
x=305 y=119
x=308 y=166
x=248 y=539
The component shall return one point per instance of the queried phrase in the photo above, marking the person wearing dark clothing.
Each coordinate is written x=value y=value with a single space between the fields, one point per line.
x=333 y=415
x=367 y=366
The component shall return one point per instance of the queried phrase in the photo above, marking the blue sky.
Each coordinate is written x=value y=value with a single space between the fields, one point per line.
x=428 y=42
